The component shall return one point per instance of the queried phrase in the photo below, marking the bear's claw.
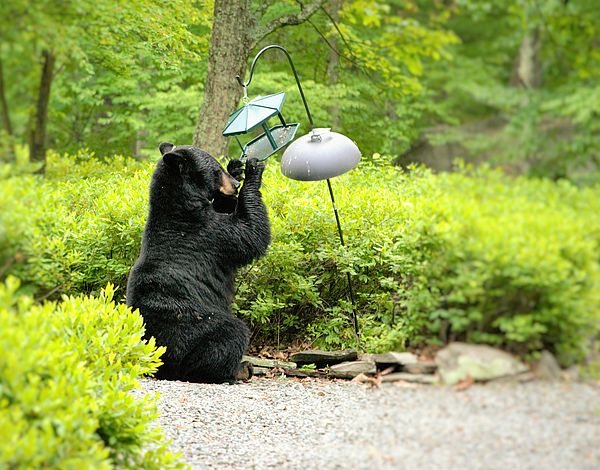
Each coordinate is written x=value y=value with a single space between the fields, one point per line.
x=236 y=169
x=253 y=166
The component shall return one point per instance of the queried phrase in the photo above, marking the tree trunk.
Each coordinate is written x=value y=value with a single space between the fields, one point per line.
x=230 y=46
x=37 y=149
x=235 y=33
x=527 y=70
x=4 y=111
x=530 y=65
x=333 y=64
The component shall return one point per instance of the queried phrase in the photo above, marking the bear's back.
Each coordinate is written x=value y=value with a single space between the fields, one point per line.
x=180 y=259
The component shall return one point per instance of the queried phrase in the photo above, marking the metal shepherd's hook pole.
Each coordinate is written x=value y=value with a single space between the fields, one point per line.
x=350 y=290
x=312 y=126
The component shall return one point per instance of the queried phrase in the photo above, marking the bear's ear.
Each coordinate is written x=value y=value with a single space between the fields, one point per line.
x=166 y=147
x=173 y=160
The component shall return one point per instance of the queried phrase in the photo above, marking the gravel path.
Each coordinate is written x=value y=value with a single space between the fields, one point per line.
x=328 y=425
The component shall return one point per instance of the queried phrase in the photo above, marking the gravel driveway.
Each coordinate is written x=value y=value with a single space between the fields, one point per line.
x=325 y=425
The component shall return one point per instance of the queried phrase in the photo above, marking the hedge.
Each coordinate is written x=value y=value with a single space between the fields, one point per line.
x=66 y=372
x=473 y=255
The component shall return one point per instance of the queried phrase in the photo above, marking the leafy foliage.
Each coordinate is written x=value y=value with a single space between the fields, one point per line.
x=473 y=255
x=380 y=51
x=86 y=252
x=549 y=129
x=66 y=374
x=388 y=73
x=111 y=58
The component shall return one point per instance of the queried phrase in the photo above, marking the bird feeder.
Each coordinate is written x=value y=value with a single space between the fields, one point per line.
x=255 y=114
x=318 y=155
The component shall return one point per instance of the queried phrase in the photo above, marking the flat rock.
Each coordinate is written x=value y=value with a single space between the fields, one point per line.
x=324 y=358
x=407 y=377
x=420 y=368
x=457 y=361
x=269 y=363
x=391 y=358
x=352 y=369
x=260 y=370
x=306 y=373
x=516 y=378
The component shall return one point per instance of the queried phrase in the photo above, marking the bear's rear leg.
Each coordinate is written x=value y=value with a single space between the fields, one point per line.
x=218 y=358
x=246 y=371
x=214 y=363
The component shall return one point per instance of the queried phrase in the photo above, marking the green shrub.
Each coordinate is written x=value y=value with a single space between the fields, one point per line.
x=66 y=372
x=471 y=255
x=79 y=228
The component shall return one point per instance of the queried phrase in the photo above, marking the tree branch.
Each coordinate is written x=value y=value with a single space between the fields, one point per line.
x=353 y=60
x=337 y=28
x=306 y=11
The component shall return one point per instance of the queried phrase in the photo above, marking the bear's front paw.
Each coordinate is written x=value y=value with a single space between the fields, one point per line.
x=236 y=169
x=245 y=372
x=254 y=167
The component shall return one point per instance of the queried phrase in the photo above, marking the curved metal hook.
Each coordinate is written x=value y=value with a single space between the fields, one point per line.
x=261 y=52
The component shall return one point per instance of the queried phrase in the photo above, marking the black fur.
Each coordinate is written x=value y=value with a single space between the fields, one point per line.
x=194 y=240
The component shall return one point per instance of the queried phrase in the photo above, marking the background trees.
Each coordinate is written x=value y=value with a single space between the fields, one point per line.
x=511 y=82
x=83 y=46
x=238 y=27
x=513 y=93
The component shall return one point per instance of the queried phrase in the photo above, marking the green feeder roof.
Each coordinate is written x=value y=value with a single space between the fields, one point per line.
x=254 y=113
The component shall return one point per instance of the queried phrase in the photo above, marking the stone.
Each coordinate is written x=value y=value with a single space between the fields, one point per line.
x=305 y=373
x=391 y=358
x=260 y=370
x=351 y=369
x=420 y=368
x=407 y=377
x=270 y=363
x=517 y=378
x=572 y=374
x=457 y=361
x=548 y=368
x=323 y=358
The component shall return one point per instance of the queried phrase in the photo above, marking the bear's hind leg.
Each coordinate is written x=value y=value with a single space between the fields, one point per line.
x=217 y=358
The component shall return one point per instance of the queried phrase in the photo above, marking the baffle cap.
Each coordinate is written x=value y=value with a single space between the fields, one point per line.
x=319 y=155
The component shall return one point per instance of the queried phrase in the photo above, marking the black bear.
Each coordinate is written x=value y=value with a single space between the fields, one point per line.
x=197 y=234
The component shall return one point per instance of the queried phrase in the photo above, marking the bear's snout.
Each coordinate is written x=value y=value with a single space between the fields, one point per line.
x=229 y=185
